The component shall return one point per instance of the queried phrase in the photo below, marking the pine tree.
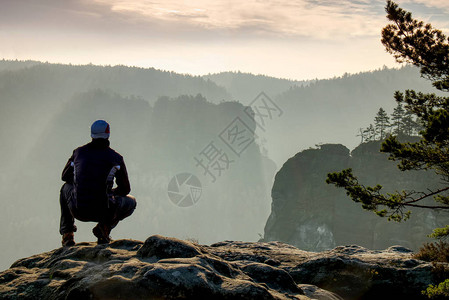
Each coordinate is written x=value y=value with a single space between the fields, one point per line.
x=397 y=117
x=370 y=133
x=362 y=135
x=382 y=122
x=409 y=125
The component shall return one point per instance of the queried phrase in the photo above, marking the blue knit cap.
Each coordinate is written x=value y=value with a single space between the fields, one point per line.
x=99 y=130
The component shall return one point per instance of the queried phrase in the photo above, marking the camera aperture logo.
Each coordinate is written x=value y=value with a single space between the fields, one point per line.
x=184 y=189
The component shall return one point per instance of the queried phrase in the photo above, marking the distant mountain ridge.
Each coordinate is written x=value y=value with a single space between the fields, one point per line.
x=243 y=87
x=13 y=65
x=148 y=83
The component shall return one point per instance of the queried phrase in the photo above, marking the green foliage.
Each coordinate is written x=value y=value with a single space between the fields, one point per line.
x=440 y=291
x=391 y=205
x=412 y=41
x=440 y=233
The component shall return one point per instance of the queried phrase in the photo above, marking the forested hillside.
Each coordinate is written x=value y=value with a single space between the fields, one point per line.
x=333 y=110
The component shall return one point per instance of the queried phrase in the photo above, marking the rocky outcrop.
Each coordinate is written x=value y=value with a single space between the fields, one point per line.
x=168 y=268
x=312 y=215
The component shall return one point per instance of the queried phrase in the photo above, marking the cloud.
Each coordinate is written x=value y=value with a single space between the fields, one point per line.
x=45 y=14
x=204 y=19
x=297 y=38
x=430 y=11
x=305 y=18
x=439 y=4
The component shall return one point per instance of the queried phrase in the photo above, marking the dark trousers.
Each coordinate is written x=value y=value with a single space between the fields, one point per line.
x=122 y=207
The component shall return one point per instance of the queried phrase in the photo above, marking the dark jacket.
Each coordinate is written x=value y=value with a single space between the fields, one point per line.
x=88 y=169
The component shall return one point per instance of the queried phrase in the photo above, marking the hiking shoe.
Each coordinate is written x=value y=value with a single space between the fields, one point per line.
x=101 y=231
x=68 y=239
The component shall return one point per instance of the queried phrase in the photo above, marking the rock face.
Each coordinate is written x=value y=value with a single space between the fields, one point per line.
x=312 y=215
x=168 y=268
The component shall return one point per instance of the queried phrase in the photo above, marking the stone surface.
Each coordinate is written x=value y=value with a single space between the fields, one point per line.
x=352 y=272
x=168 y=268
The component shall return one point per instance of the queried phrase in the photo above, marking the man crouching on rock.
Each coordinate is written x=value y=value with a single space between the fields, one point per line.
x=87 y=193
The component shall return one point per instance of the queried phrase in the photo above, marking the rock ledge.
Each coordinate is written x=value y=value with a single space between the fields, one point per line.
x=168 y=268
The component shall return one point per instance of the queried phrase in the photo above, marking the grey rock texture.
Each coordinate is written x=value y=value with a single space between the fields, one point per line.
x=312 y=215
x=352 y=272
x=168 y=268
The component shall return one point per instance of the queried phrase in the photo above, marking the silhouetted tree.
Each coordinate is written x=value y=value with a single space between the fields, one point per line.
x=362 y=135
x=397 y=117
x=370 y=133
x=409 y=125
x=382 y=122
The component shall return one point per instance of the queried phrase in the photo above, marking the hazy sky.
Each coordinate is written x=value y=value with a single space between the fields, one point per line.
x=301 y=39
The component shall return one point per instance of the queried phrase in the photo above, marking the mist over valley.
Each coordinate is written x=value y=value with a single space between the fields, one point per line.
x=162 y=123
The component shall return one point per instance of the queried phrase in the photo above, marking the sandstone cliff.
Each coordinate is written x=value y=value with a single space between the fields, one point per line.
x=312 y=215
